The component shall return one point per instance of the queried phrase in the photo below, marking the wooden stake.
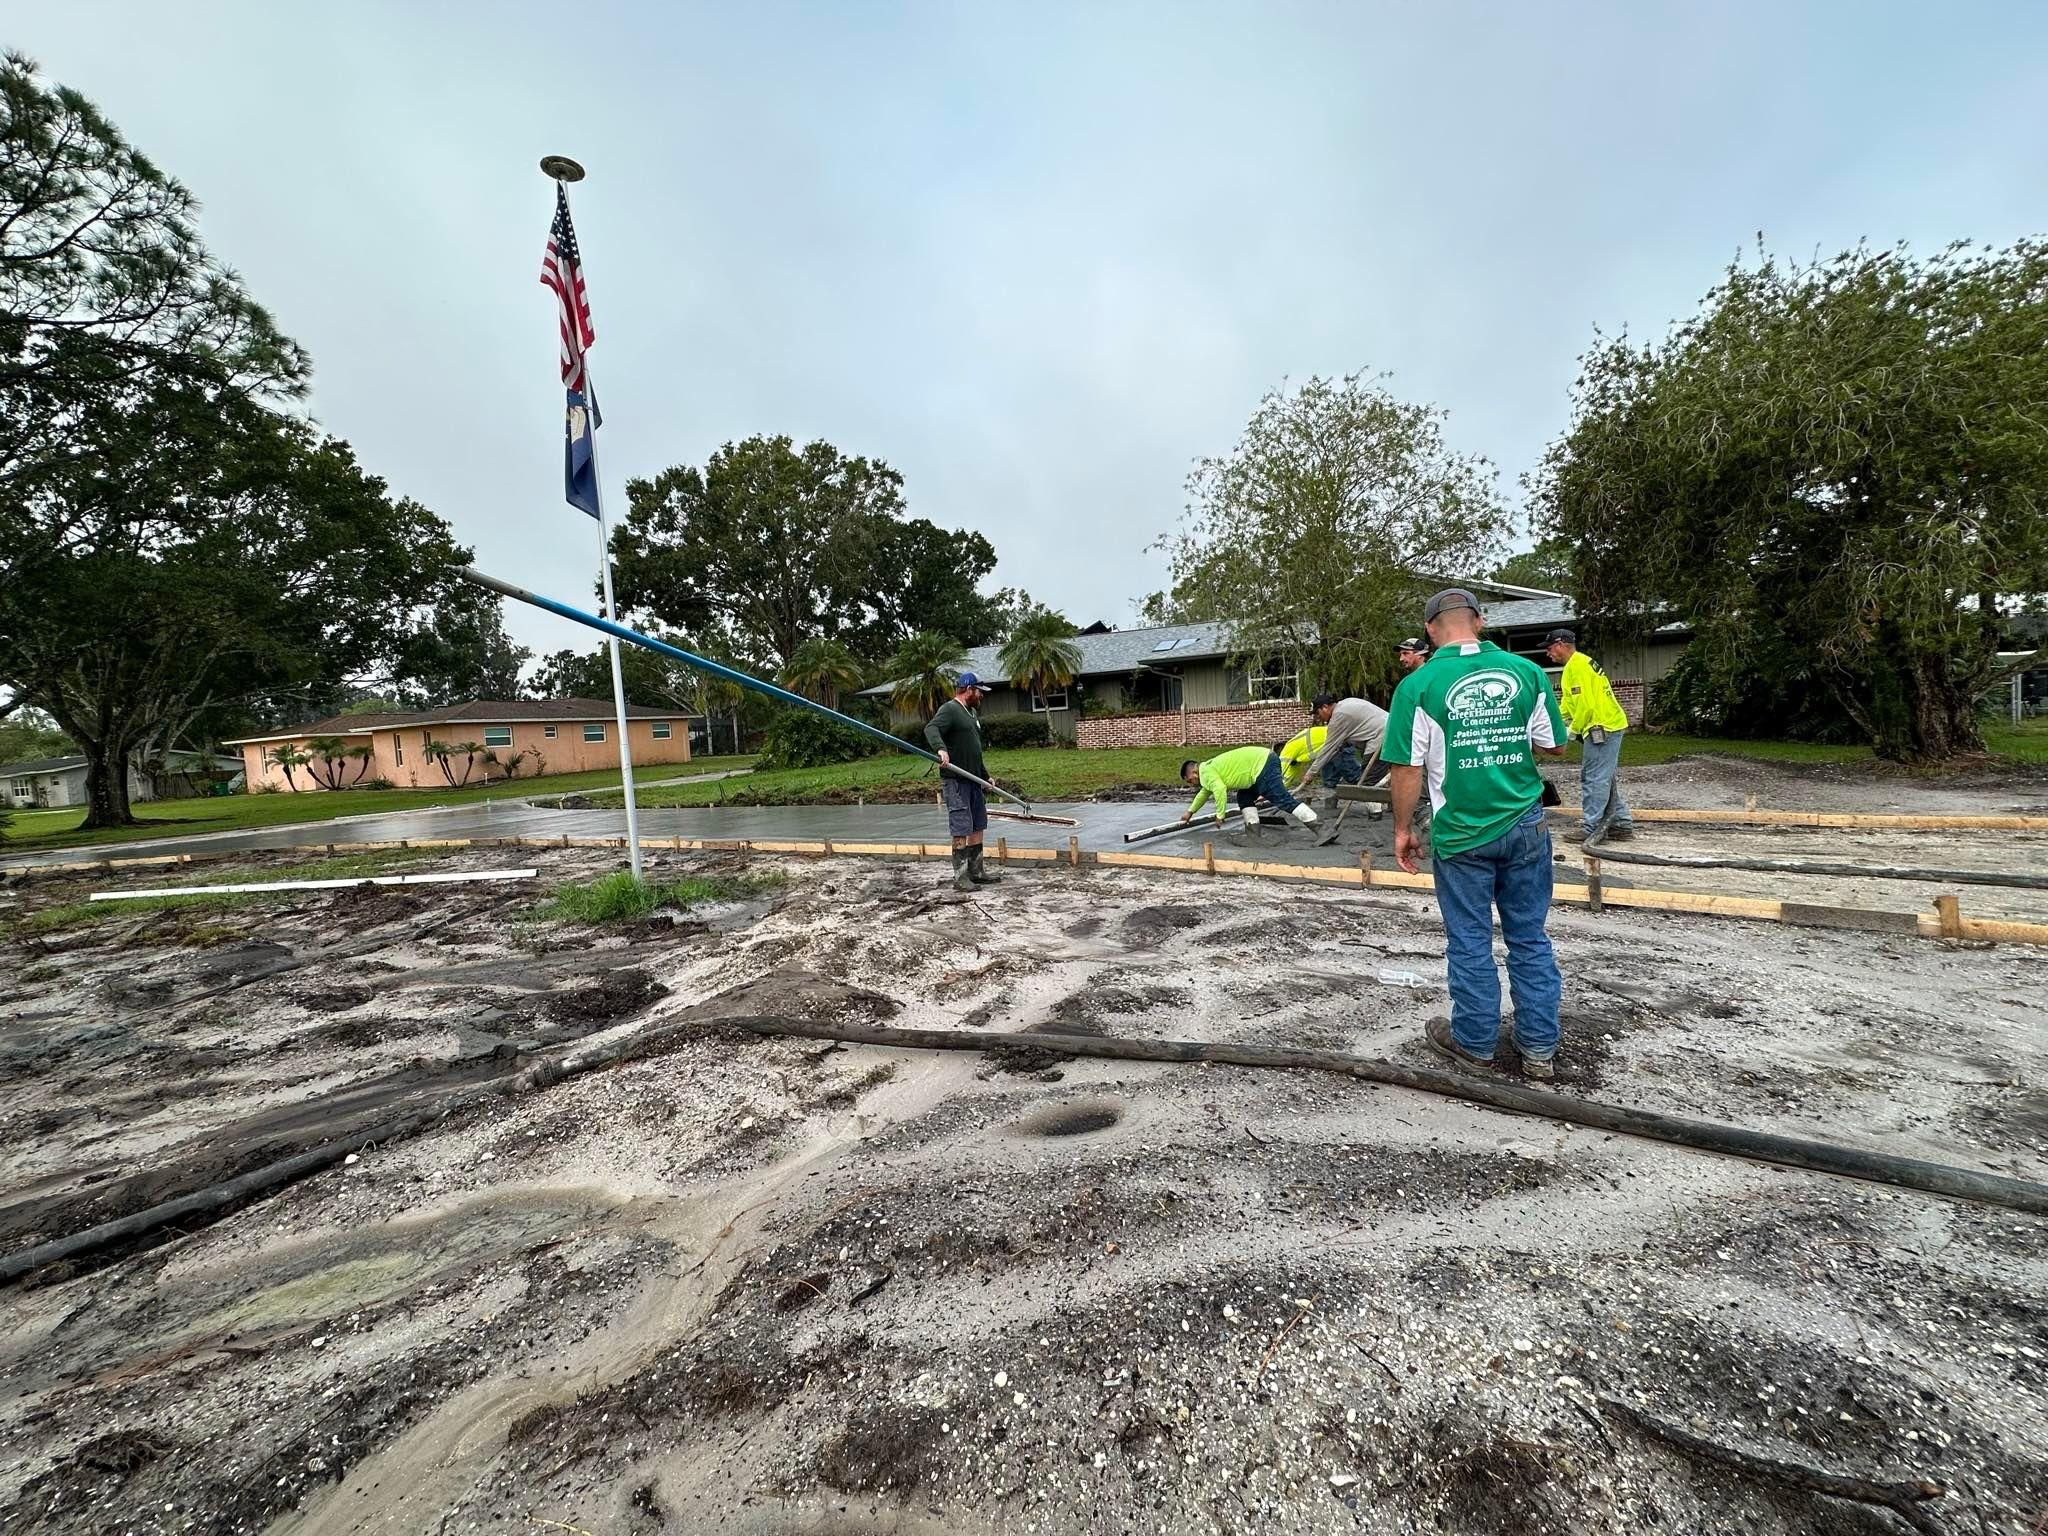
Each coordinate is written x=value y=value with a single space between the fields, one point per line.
x=1074 y=851
x=1593 y=891
x=1002 y=850
x=1365 y=866
x=1950 y=911
x=1209 y=856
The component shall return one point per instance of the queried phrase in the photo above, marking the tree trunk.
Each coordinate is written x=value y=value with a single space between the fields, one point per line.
x=1934 y=713
x=106 y=788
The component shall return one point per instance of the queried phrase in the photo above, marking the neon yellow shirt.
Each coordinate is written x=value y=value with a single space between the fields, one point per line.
x=1586 y=698
x=1295 y=755
x=1238 y=768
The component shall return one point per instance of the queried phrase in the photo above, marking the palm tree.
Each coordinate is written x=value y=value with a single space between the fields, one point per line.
x=328 y=756
x=923 y=670
x=820 y=668
x=1040 y=654
x=288 y=758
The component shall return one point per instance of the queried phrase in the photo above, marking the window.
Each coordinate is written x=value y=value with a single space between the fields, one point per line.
x=548 y=731
x=593 y=732
x=1276 y=680
x=497 y=735
x=1041 y=702
x=397 y=750
x=661 y=730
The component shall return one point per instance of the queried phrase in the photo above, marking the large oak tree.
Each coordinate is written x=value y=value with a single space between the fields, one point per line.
x=770 y=545
x=1838 y=471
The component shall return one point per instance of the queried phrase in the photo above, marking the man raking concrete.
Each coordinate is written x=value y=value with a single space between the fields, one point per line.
x=954 y=733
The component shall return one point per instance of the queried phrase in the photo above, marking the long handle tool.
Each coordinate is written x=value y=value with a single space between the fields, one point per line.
x=732 y=675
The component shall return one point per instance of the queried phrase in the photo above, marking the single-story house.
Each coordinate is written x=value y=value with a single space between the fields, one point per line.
x=544 y=735
x=1156 y=686
x=1179 y=683
x=50 y=782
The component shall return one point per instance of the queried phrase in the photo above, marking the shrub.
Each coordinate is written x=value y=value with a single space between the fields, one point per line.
x=1016 y=731
x=800 y=739
x=618 y=897
x=379 y=782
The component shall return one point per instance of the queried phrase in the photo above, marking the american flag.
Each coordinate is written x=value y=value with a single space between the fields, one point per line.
x=562 y=270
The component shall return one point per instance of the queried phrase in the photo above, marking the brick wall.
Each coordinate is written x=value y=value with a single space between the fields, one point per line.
x=1632 y=695
x=1196 y=727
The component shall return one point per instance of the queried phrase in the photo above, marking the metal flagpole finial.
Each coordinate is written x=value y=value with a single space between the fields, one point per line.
x=561 y=168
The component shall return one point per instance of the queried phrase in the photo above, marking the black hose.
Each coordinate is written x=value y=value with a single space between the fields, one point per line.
x=1700 y=1135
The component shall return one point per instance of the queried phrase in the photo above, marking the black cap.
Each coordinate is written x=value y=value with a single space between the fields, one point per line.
x=1450 y=597
x=1323 y=701
x=1561 y=634
x=1417 y=646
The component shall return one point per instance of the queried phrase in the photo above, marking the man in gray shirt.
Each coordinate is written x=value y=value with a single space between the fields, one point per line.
x=955 y=734
x=1352 y=732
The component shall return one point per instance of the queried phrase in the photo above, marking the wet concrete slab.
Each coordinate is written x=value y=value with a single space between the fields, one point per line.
x=1100 y=827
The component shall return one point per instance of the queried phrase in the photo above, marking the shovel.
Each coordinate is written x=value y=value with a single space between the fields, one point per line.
x=1344 y=810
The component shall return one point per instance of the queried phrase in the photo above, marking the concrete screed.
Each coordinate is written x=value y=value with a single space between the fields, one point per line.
x=764 y=1286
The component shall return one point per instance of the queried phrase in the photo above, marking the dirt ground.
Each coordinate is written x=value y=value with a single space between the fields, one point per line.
x=749 y=1285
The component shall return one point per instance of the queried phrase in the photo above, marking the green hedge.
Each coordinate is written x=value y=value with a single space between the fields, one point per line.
x=800 y=739
x=1016 y=731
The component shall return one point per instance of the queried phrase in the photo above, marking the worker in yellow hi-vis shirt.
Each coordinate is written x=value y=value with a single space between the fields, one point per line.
x=1595 y=718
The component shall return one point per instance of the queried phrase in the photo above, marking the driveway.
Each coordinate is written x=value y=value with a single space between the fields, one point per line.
x=1101 y=827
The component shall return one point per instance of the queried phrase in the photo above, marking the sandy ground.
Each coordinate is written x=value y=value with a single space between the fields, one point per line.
x=770 y=1286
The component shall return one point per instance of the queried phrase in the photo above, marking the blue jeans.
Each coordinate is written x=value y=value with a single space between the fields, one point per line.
x=1512 y=873
x=1600 y=799
x=1272 y=783
x=1344 y=768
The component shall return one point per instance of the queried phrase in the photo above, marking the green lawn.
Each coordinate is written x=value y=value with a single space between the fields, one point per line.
x=234 y=813
x=1040 y=774
x=1037 y=773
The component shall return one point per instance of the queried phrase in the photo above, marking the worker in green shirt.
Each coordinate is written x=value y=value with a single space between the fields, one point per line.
x=1594 y=715
x=1248 y=772
x=1469 y=722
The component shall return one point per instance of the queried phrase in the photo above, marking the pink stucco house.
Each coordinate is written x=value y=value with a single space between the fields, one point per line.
x=554 y=736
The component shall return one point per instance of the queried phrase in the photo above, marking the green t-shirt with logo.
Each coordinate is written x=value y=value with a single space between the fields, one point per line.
x=1470 y=717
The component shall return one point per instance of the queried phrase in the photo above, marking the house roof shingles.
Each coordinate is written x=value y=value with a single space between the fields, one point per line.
x=471 y=712
x=1118 y=650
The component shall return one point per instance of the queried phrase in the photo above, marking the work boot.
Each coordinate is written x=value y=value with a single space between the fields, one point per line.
x=1542 y=1070
x=1438 y=1033
x=1305 y=815
x=1374 y=809
x=1251 y=818
x=977 y=868
x=1620 y=832
x=963 y=870
x=1573 y=834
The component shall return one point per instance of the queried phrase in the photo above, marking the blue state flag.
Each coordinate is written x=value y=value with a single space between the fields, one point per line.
x=579 y=454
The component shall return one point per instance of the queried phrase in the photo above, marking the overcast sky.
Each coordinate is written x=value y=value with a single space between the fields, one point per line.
x=1040 y=257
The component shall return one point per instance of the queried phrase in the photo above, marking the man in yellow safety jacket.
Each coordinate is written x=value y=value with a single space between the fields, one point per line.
x=1595 y=718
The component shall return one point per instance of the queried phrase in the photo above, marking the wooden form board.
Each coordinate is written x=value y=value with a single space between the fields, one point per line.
x=1833 y=819
x=1946 y=921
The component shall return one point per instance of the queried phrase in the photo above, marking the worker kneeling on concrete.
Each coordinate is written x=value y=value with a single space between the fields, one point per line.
x=1248 y=772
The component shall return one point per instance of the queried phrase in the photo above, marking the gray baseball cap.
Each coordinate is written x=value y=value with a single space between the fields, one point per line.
x=1450 y=597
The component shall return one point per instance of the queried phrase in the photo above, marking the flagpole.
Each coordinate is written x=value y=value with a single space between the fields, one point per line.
x=563 y=171
x=611 y=610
